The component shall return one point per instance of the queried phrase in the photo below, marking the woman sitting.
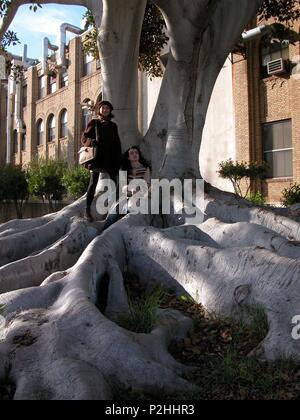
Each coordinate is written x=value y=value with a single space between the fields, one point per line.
x=137 y=168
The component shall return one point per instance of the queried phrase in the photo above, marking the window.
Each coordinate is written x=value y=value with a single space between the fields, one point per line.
x=40 y=133
x=86 y=117
x=51 y=128
x=65 y=79
x=278 y=149
x=15 y=142
x=272 y=51
x=41 y=87
x=24 y=96
x=23 y=140
x=87 y=65
x=52 y=83
x=64 y=124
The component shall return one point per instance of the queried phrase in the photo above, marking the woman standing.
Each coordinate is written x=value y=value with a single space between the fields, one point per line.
x=103 y=134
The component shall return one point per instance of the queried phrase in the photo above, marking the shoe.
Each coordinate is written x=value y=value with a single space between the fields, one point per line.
x=89 y=216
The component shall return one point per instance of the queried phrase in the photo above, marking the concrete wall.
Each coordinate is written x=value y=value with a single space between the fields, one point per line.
x=218 y=141
x=8 y=212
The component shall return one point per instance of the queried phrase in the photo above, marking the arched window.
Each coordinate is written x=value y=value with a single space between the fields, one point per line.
x=51 y=128
x=15 y=142
x=86 y=112
x=64 y=124
x=40 y=132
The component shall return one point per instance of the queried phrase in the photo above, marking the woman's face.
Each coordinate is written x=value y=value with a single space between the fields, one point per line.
x=133 y=155
x=104 y=110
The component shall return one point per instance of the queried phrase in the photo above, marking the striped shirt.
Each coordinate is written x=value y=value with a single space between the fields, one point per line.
x=140 y=173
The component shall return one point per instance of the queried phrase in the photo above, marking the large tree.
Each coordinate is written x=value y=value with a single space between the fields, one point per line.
x=54 y=269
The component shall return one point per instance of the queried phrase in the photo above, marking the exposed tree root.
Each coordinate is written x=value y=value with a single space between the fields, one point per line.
x=32 y=270
x=59 y=345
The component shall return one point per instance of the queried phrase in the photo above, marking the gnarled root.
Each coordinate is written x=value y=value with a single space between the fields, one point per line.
x=58 y=343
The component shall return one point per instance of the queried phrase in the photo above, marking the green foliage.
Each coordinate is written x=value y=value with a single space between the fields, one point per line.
x=34 y=7
x=238 y=171
x=258 y=199
x=153 y=39
x=14 y=187
x=141 y=317
x=9 y=38
x=4 y=4
x=286 y=11
x=90 y=40
x=257 y=318
x=291 y=195
x=45 y=180
x=76 y=181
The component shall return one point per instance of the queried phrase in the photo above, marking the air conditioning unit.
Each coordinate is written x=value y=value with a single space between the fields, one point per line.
x=276 y=66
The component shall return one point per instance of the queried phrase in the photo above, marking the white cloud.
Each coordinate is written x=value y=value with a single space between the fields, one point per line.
x=32 y=27
x=45 y=21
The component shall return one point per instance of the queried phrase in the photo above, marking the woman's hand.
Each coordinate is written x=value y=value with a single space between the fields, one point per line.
x=88 y=142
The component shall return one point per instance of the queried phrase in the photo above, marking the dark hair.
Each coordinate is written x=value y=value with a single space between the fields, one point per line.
x=126 y=166
x=100 y=104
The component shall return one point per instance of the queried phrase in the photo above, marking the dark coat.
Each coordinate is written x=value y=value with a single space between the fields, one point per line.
x=108 y=153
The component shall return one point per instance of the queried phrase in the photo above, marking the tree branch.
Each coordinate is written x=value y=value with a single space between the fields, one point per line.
x=14 y=6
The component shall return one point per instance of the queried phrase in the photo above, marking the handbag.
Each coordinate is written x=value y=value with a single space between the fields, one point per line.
x=86 y=155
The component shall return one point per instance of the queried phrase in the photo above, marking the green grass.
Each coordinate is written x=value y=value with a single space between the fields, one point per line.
x=258 y=320
x=141 y=317
x=218 y=350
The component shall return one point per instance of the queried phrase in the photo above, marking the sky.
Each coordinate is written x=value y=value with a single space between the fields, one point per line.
x=32 y=27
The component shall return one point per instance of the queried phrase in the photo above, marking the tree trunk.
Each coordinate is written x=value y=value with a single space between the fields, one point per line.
x=198 y=51
x=57 y=271
x=119 y=39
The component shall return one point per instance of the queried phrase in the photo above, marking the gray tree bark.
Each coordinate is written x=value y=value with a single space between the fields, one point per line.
x=58 y=344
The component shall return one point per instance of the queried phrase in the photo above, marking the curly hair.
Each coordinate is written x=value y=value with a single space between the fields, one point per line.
x=126 y=166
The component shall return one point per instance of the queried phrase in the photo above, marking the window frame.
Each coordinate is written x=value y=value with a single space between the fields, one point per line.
x=40 y=133
x=63 y=129
x=278 y=150
x=51 y=129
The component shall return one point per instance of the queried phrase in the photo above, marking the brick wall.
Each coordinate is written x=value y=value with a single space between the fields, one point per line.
x=258 y=101
x=70 y=98
x=2 y=124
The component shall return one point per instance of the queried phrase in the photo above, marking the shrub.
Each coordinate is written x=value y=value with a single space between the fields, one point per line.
x=76 y=181
x=14 y=187
x=257 y=199
x=291 y=195
x=45 y=180
x=238 y=171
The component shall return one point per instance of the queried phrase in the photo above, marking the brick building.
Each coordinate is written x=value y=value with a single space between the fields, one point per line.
x=266 y=93
x=44 y=112
x=253 y=115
